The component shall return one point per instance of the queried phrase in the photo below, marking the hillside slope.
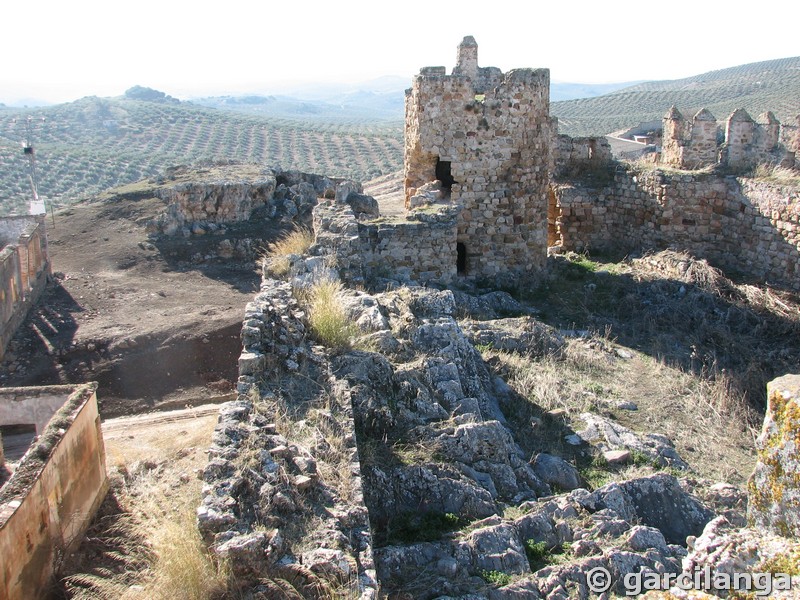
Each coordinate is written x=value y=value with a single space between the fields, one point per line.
x=86 y=146
x=770 y=85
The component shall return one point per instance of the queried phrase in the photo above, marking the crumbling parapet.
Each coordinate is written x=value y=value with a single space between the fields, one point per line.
x=486 y=136
x=693 y=144
x=690 y=144
x=774 y=487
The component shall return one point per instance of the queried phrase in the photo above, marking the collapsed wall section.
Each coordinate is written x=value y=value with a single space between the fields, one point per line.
x=56 y=487
x=739 y=224
x=283 y=498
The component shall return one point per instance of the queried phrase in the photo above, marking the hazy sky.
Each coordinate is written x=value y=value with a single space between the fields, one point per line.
x=64 y=50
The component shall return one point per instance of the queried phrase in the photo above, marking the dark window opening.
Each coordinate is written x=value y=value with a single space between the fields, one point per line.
x=443 y=174
x=461 y=258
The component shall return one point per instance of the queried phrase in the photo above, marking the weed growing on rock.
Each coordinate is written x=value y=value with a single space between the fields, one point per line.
x=496 y=578
x=540 y=554
x=275 y=260
x=327 y=317
x=409 y=528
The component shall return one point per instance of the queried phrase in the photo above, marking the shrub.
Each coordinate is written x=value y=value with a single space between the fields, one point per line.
x=496 y=578
x=412 y=527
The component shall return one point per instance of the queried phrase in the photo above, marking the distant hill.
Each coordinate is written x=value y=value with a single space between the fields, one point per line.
x=757 y=87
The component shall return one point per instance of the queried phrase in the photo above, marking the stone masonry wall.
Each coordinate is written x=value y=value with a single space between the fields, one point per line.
x=421 y=248
x=692 y=144
x=487 y=136
x=738 y=224
x=576 y=156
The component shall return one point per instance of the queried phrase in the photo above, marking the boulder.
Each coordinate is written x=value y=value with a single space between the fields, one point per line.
x=656 y=501
x=554 y=470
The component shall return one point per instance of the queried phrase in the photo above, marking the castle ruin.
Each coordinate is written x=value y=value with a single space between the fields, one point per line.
x=697 y=143
x=485 y=137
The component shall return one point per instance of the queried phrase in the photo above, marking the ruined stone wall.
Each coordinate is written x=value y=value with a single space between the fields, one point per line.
x=420 y=248
x=487 y=137
x=199 y=207
x=692 y=144
x=50 y=499
x=575 y=156
x=24 y=270
x=738 y=224
x=283 y=515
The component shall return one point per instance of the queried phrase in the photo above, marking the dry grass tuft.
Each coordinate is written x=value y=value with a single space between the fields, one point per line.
x=147 y=546
x=327 y=317
x=777 y=174
x=275 y=260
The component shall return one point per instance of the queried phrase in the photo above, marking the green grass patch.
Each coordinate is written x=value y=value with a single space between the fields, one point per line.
x=496 y=578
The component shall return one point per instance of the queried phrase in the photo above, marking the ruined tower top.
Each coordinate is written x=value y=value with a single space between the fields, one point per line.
x=467 y=60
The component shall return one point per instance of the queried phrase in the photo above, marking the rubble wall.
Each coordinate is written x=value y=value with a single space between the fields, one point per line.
x=739 y=224
x=281 y=513
x=199 y=207
x=420 y=248
x=50 y=499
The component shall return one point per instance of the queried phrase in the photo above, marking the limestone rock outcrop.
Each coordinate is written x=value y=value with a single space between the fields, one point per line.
x=774 y=487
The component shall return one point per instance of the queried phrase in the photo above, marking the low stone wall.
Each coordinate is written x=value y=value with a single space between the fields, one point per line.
x=199 y=207
x=421 y=248
x=56 y=488
x=24 y=270
x=268 y=504
x=739 y=224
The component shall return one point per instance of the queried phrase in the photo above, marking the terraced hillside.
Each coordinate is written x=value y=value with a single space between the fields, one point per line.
x=771 y=85
x=86 y=146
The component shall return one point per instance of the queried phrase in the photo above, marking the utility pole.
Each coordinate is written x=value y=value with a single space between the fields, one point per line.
x=37 y=206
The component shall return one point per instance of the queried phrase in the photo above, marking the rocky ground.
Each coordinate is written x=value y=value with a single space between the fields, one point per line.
x=478 y=484
x=499 y=447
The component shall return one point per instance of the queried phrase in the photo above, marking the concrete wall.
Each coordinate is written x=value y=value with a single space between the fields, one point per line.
x=58 y=485
x=24 y=270
x=738 y=224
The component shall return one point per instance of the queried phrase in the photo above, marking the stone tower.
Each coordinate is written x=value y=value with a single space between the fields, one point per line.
x=486 y=136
